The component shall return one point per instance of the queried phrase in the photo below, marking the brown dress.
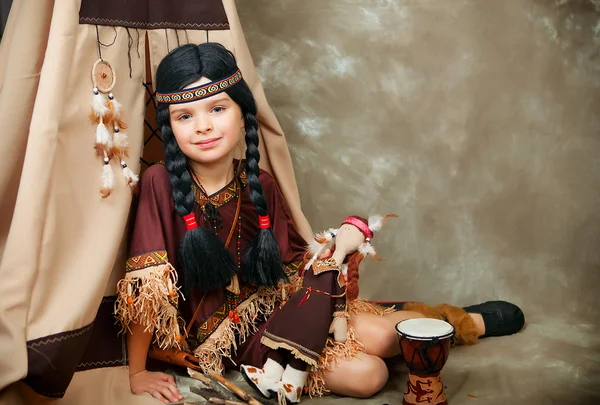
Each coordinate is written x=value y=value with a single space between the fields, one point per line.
x=302 y=324
x=225 y=324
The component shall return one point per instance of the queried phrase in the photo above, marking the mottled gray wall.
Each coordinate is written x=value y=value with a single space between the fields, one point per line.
x=475 y=121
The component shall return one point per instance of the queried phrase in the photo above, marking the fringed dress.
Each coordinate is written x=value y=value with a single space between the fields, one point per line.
x=226 y=329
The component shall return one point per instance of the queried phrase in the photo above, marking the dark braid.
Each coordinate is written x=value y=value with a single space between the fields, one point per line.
x=206 y=263
x=262 y=261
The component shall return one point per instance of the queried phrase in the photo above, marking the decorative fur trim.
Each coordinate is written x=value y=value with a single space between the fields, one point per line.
x=464 y=326
x=426 y=310
x=465 y=329
x=149 y=297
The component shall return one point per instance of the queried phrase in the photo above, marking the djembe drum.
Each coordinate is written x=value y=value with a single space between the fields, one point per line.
x=424 y=344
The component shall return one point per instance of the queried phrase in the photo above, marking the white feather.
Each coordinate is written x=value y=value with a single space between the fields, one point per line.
x=344 y=269
x=108 y=178
x=117 y=106
x=366 y=249
x=131 y=178
x=315 y=247
x=375 y=223
x=120 y=140
x=99 y=105
x=102 y=135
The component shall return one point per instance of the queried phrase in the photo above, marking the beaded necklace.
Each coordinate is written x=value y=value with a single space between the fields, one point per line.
x=211 y=215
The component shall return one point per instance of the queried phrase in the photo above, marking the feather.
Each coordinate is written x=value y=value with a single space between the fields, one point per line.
x=131 y=178
x=366 y=249
x=375 y=223
x=121 y=144
x=99 y=106
x=108 y=180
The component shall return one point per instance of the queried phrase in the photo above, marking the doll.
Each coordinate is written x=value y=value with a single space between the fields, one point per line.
x=297 y=333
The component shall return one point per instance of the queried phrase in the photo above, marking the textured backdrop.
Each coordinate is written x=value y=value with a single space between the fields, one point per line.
x=476 y=122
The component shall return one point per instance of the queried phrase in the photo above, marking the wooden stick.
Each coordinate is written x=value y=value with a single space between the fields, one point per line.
x=218 y=389
x=234 y=388
x=220 y=401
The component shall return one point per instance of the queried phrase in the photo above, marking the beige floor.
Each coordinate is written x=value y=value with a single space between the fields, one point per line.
x=551 y=362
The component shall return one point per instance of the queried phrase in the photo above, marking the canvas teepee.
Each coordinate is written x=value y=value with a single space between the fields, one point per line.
x=62 y=245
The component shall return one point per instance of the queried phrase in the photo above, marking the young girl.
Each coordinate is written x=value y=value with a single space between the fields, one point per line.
x=213 y=245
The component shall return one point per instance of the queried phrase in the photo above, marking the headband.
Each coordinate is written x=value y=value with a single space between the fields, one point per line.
x=364 y=228
x=200 y=92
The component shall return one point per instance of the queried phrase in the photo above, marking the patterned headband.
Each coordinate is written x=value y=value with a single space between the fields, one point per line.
x=200 y=92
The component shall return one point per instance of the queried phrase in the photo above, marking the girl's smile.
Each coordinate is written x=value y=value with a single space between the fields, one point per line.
x=207 y=143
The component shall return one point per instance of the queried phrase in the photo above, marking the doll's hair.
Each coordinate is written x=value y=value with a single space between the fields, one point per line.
x=352 y=277
x=206 y=262
x=353 y=263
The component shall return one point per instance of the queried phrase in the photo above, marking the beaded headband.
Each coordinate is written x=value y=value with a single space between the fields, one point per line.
x=200 y=92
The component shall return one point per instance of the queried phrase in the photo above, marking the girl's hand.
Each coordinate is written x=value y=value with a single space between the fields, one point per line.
x=160 y=385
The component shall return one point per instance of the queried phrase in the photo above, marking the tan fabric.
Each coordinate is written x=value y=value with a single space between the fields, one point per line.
x=105 y=386
x=63 y=239
x=63 y=246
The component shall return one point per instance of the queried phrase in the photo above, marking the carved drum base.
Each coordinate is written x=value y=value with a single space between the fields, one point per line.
x=424 y=389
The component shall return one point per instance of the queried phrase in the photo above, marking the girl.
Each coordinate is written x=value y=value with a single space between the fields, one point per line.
x=213 y=245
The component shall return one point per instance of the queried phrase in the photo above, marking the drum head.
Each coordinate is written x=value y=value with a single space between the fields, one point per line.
x=424 y=329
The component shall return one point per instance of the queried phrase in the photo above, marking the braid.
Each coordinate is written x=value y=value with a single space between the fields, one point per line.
x=207 y=265
x=176 y=165
x=262 y=261
x=353 y=275
x=252 y=169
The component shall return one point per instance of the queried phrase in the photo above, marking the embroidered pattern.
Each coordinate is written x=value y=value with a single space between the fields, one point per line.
x=147 y=259
x=292 y=268
x=212 y=323
x=153 y=25
x=200 y=92
x=321 y=266
x=220 y=198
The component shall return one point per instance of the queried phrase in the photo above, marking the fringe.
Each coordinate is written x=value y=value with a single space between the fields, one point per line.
x=222 y=342
x=273 y=344
x=334 y=351
x=149 y=297
x=361 y=306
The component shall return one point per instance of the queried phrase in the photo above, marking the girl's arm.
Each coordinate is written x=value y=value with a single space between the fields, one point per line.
x=160 y=385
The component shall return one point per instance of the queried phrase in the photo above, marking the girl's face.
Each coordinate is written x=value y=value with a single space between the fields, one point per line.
x=207 y=130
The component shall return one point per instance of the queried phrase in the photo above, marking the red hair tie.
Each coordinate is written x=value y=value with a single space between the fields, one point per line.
x=190 y=221
x=264 y=222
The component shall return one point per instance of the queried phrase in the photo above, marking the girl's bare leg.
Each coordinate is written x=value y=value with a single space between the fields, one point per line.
x=378 y=333
x=360 y=377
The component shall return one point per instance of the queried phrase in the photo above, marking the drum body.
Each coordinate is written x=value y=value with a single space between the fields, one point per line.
x=425 y=344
